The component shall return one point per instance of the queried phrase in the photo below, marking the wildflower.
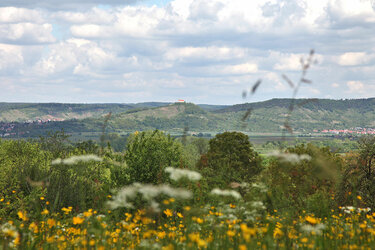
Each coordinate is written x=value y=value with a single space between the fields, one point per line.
x=66 y=210
x=290 y=157
x=180 y=215
x=22 y=215
x=51 y=223
x=168 y=212
x=45 y=212
x=33 y=227
x=148 y=192
x=314 y=229
x=231 y=233
x=161 y=235
x=41 y=198
x=76 y=158
x=242 y=247
x=277 y=233
x=359 y=197
x=177 y=174
x=9 y=230
x=232 y=193
x=311 y=220
x=78 y=220
x=199 y=220
x=187 y=208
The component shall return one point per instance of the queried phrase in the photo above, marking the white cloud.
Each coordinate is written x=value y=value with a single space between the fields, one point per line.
x=245 y=68
x=355 y=87
x=26 y=33
x=66 y=4
x=186 y=47
x=16 y=15
x=11 y=58
x=353 y=58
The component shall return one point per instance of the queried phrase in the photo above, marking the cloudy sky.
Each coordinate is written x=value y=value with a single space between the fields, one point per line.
x=203 y=51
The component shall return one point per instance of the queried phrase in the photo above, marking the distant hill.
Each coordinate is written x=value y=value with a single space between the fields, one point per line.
x=267 y=116
x=21 y=112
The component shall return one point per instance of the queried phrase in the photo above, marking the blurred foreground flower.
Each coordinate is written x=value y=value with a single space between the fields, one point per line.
x=75 y=159
x=289 y=157
x=176 y=174
x=148 y=192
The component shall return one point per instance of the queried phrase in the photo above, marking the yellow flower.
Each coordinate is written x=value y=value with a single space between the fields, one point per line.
x=231 y=233
x=277 y=233
x=165 y=202
x=22 y=215
x=161 y=235
x=51 y=223
x=66 y=210
x=41 y=198
x=311 y=220
x=242 y=247
x=45 y=212
x=304 y=240
x=168 y=212
x=232 y=205
x=199 y=220
x=359 y=197
x=33 y=227
x=169 y=247
x=187 y=208
x=78 y=220
x=87 y=213
x=180 y=215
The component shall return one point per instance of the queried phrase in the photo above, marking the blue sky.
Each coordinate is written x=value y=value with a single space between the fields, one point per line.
x=198 y=50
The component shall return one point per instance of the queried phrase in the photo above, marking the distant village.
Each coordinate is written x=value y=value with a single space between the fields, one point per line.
x=8 y=129
x=352 y=131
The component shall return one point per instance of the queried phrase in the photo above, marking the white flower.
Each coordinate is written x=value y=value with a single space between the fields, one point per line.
x=317 y=229
x=75 y=159
x=149 y=192
x=289 y=157
x=176 y=174
x=221 y=192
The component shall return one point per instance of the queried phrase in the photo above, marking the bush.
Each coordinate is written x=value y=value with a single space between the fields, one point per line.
x=149 y=153
x=301 y=176
x=230 y=158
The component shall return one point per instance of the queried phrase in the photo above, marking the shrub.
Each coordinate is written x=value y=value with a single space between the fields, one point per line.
x=149 y=153
x=230 y=158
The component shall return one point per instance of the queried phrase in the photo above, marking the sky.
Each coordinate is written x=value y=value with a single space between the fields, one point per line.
x=202 y=51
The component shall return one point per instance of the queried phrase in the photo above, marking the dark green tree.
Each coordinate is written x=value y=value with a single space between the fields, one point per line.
x=230 y=158
x=359 y=175
x=148 y=153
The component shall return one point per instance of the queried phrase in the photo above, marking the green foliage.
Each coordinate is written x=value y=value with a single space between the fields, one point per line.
x=359 y=175
x=230 y=158
x=23 y=171
x=148 y=153
x=300 y=177
x=79 y=185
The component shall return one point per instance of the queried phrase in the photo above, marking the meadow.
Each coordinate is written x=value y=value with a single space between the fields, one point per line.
x=185 y=193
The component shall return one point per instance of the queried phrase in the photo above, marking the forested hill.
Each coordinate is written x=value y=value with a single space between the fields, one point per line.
x=361 y=105
x=21 y=112
x=269 y=116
